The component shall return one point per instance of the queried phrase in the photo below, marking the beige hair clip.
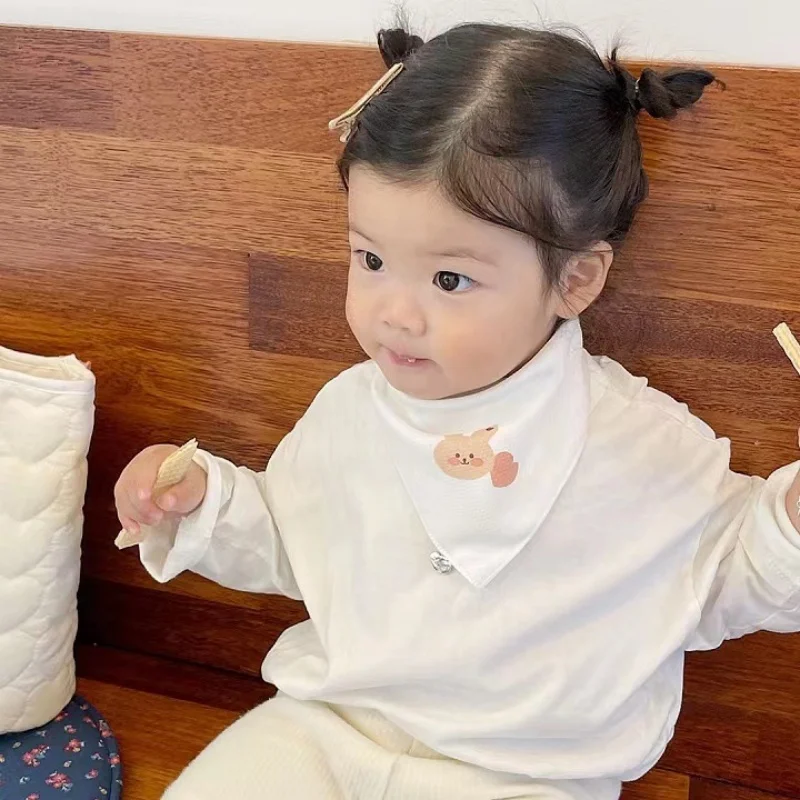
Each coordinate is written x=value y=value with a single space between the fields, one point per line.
x=348 y=118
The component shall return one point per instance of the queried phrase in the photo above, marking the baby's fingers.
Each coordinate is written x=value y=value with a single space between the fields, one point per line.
x=132 y=506
x=134 y=490
x=186 y=496
x=145 y=506
x=126 y=513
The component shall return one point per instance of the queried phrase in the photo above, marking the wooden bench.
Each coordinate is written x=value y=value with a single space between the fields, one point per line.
x=170 y=210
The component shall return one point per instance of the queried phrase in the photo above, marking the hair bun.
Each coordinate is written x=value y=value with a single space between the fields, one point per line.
x=662 y=95
x=397 y=44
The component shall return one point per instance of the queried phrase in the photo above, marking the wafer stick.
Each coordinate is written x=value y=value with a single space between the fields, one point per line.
x=170 y=473
x=789 y=344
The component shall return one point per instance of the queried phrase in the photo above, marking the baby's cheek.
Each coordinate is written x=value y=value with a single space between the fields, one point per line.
x=358 y=319
x=477 y=462
x=454 y=461
x=471 y=358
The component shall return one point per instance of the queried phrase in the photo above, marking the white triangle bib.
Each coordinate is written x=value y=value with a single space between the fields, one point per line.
x=484 y=470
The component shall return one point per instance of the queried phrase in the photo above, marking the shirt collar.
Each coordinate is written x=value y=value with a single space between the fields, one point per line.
x=514 y=445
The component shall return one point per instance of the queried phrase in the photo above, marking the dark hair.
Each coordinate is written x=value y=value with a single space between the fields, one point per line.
x=525 y=128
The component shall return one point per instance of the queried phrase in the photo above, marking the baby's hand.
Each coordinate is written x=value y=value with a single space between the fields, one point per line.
x=133 y=493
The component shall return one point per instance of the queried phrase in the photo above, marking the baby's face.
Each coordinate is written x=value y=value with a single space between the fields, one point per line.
x=440 y=323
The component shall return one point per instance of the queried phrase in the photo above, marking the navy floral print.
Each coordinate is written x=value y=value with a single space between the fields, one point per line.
x=75 y=756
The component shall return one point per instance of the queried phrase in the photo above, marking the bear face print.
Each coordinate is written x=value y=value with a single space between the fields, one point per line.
x=471 y=457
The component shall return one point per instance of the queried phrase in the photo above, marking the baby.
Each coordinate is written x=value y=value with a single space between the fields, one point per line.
x=505 y=545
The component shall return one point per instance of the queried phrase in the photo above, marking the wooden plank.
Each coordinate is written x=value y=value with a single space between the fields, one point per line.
x=732 y=744
x=55 y=79
x=713 y=790
x=180 y=627
x=636 y=326
x=736 y=144
x=247 y=94
x=658 y=785
x=297 y=308
x=103 y=561
x=158 y=736
x=760 y=674
x=776 y=767
x=735 y=252
x=752 y=685
x=180 y=680
x=163 y=325
x=715 y=741
x=213 y=196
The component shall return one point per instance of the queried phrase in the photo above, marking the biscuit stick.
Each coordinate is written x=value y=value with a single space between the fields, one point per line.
x=789 y=344
x=170 y=473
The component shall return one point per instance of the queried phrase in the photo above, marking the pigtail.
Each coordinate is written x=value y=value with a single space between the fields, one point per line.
x=661 y=94
x=664 y=94
x=397 y=44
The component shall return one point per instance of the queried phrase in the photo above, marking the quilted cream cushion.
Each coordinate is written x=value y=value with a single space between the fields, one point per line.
x=46 y=421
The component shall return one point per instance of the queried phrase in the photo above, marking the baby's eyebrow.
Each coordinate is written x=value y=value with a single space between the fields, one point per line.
x=355 y=230
x=462 y=252
x=448 y=252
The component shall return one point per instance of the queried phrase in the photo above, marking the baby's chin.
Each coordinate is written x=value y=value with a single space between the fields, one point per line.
x=419 y=390
x=421 y=386
x=413 y=383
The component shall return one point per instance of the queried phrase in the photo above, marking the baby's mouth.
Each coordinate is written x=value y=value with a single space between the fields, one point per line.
x=405 y=360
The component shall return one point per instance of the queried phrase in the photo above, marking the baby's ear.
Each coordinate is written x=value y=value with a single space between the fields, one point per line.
x=484 y=434
x=584 y=278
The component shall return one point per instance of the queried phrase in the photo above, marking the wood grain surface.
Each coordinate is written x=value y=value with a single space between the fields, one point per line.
x=169 y=210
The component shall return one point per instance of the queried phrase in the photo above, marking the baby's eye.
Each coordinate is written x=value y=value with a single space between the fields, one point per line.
x=452 y=281
x=372 y=262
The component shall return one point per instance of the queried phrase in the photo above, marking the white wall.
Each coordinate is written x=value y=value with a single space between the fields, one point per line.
x=739 y=31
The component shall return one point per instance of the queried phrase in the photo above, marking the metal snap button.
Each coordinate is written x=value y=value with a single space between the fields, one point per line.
x=441 y=563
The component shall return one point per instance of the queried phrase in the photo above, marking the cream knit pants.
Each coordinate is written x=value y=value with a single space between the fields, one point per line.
x=288 y=749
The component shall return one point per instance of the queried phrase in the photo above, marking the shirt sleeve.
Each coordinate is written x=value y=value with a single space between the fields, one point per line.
x=231 y=538
x=747 y=567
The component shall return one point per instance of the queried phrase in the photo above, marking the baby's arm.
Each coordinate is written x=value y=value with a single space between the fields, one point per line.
x=748 y=563
x=231 y=538
x=747 y=567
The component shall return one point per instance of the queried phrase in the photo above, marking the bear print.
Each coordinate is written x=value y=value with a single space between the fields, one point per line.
x=468 y=458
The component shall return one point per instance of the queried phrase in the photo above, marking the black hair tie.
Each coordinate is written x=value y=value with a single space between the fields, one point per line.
x=397 y=44
x=635 y=99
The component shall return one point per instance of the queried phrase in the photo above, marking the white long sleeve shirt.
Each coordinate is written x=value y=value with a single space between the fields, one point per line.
x=512 y=577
